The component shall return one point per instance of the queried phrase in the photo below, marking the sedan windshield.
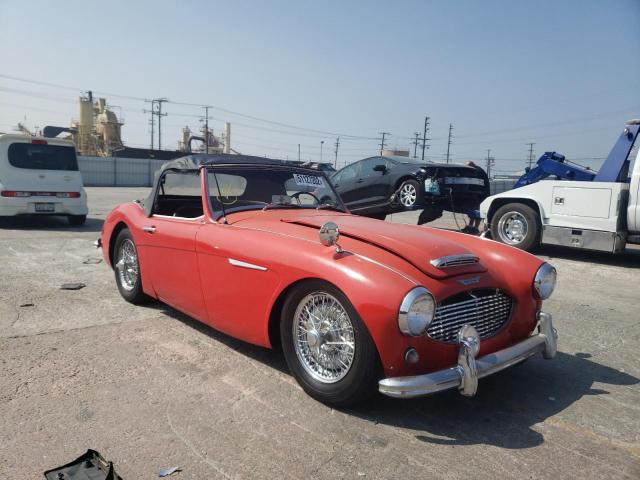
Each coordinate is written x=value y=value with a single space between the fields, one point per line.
x=250 y=187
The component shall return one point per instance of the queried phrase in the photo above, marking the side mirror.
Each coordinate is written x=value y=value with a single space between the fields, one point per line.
x=380 y=168
x=329 y=235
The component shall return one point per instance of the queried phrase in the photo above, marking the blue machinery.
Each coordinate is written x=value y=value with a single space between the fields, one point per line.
x=614 y=169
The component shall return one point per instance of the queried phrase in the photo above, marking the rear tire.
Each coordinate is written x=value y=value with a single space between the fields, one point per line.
x=333 y=373
x=77 y=220
x=516 y=224
x=127 y=269
x=409 y=194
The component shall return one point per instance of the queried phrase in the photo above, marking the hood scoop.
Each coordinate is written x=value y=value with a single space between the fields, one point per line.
x=454 y=260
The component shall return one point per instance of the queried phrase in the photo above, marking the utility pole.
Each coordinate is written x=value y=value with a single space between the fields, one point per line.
x=159 y=102
x=152 y=121
x=335 y=164
x=298 y=152
x=206 y=129
x=321 y=144
x=449 y=142
x=382 y=142
x=490 y=162
x=424 y=136
x=415 y=144
x=530 y=153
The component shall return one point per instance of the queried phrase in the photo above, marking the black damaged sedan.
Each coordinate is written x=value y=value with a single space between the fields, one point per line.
x=378 y=186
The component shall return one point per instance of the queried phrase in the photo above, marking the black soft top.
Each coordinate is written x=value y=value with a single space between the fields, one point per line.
x=195 y=162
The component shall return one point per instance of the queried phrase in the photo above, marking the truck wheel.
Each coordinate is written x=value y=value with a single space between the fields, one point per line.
x=517 y=225
x=327 y=346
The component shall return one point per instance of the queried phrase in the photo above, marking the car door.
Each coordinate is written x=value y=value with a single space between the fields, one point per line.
x=345 y=184
x=374 y=184
x=169 y=246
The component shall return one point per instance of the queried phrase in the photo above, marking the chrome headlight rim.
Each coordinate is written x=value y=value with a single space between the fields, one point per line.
x=410 y=325
x=544 y=282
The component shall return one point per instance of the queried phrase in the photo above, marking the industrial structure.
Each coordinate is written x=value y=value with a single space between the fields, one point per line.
x=98 y=133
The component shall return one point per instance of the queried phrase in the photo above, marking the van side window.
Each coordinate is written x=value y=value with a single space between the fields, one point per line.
x=179 y=195
x=37 y=156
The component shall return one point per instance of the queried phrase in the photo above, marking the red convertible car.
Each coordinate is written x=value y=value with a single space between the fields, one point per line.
x=267 y=253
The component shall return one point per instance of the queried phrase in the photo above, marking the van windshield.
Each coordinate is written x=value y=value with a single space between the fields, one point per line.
x=42 y=157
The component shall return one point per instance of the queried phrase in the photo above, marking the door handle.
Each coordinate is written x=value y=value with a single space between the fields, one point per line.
x=149 y=229
x=359 y=180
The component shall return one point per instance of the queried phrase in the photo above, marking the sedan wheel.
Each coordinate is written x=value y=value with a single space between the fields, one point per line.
x=327 y=346
x=408 y=194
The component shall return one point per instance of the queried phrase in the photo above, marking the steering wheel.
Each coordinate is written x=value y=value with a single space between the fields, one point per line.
x=296 y=196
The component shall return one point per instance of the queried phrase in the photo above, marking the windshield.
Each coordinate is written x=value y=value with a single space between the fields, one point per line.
x=250 y=187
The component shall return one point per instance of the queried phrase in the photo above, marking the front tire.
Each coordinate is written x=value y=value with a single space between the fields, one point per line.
x=327 y=346
x=127 y=268
x=516 y=224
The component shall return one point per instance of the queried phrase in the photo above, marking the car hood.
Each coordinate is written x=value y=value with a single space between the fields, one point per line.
x=415 y=244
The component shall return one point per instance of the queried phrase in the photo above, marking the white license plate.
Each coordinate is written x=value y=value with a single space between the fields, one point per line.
x=45 y=207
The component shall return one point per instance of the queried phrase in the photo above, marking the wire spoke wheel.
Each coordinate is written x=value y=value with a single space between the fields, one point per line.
x=323 y=337
x=408 y=195
x=127 y=265
x=513 y=228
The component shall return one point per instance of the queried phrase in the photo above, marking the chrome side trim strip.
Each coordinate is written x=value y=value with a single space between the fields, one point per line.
x=240 y=263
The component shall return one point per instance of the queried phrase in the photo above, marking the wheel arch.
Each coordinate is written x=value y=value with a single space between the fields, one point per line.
x=121 y=225
x=278 y=304
x=501 y=201
x=404 y=178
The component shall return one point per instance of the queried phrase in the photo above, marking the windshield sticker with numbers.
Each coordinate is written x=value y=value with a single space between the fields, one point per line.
x=308 y=180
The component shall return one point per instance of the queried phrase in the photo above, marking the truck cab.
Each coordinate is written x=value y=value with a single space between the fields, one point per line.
x=602 y=214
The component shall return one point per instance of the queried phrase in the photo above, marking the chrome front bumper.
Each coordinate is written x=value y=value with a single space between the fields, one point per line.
x=465 y=375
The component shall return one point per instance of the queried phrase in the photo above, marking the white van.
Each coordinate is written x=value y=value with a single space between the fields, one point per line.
x=40 y=176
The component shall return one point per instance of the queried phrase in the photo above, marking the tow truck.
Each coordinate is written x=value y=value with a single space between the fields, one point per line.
x=561 y=203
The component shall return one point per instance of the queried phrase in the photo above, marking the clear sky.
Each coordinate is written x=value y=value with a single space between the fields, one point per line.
x=564 y=74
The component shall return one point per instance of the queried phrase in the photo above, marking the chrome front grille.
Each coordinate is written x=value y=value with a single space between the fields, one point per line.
x=487 y=309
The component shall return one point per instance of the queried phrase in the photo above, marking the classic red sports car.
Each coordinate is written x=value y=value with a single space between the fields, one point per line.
x=266 y=252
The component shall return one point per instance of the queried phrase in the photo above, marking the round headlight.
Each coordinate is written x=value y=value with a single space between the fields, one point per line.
x=545 y=281
x=416 y=312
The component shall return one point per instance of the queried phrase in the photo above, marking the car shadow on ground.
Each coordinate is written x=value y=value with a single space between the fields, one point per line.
x=629 y=258
x=49 y=223
x=507 y=406
x=502 y=414
x=272 y=358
